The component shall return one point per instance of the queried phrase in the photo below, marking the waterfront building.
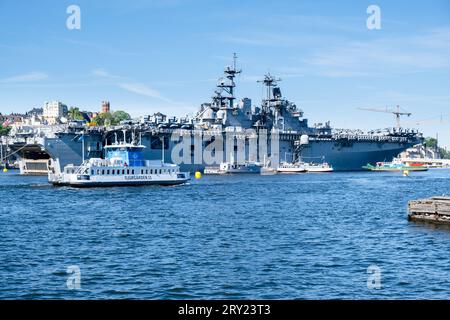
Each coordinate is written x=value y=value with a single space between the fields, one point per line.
x=53 y=111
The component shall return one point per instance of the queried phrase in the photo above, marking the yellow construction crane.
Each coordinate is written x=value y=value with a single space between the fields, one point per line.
x=397 y=112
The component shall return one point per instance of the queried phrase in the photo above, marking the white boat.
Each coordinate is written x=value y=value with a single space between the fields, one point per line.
x=124 y=165
x=268 y=171
x=318 y=168
x=211 y=170
x=286 y=167
x=234 y=168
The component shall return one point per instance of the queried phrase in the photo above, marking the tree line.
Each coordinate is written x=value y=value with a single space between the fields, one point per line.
x=102 y=119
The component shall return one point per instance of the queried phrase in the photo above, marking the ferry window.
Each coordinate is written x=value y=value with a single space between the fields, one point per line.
x=160 y=171
x=128 y=171
x=151 y=171
x=103 y=171
x=146 y=171
x=123 y=171
x=107 y=171
x=113 y=172
x=142 y=171
x=98 y=171
x=132 y=171
x=92 y=172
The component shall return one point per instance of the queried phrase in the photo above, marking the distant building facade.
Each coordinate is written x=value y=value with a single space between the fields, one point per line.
x=10 y=119
x=53 y=111
x=105 y=107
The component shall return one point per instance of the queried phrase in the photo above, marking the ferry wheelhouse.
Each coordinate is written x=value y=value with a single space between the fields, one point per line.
x=124 y=165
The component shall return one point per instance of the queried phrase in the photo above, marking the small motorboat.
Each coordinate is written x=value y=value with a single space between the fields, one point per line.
x=318 y=167
x=287 y=167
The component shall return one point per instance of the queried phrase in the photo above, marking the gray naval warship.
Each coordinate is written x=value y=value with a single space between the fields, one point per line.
x=344 y=150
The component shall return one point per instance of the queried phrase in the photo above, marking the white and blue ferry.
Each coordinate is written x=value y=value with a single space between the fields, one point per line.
x=123 y=165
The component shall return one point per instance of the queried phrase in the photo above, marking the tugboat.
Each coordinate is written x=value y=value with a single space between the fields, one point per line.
x=394 y=166
x=124 y=165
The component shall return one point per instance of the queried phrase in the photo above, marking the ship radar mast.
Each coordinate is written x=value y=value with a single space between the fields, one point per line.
x=227 y=85
x=272 y=89
x=273 y=99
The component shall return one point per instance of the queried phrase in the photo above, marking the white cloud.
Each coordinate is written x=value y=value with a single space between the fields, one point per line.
x=28 y=77
x=102 y=73
x=130 y=85
x=142 y=89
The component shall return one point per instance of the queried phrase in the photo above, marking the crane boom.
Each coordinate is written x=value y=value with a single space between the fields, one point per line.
x=397 y=112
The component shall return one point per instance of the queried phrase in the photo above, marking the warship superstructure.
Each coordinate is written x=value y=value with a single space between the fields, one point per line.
x=276 y=118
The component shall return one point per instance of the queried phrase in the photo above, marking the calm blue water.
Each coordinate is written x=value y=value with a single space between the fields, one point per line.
x=259 y=237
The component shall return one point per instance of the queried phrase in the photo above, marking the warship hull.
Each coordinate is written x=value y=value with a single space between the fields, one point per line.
x=345 y=155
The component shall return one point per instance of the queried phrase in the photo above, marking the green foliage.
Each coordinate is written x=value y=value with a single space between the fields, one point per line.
x=4 y=131
x=444 y=153
x=432 y=143
x=75 y=114
x=108 y=119
x=120 y=115
x=103 y=119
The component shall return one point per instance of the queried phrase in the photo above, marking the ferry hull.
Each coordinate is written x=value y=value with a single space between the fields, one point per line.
x=117 y=184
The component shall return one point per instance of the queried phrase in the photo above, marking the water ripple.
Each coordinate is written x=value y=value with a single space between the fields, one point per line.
x=259 y=237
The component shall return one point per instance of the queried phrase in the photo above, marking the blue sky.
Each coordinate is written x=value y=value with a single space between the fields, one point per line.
x=165 y=55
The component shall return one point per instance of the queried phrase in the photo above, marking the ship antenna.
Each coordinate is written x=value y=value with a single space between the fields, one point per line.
x=227 y=86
